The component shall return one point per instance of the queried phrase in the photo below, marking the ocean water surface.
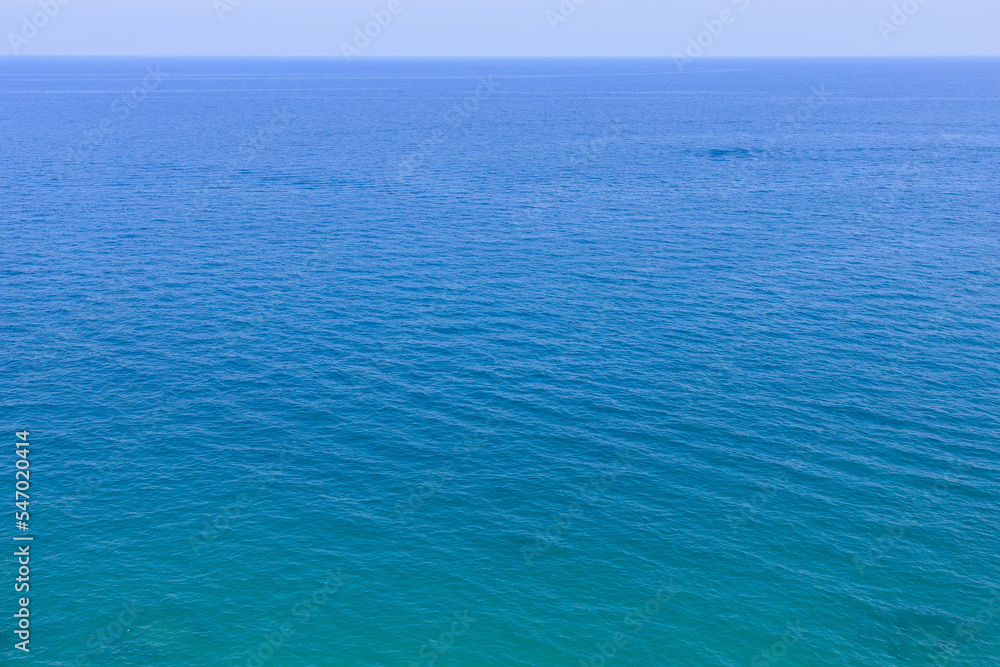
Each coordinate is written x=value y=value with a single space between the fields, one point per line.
x=499 y=362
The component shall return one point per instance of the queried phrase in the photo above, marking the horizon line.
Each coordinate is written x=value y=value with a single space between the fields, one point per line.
x=507 y=57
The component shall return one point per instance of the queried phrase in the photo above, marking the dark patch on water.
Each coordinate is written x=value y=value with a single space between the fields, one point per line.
x=914 y=636
x=731 y=153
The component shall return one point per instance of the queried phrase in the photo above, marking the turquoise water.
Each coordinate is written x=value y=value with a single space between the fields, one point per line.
x=504 y=362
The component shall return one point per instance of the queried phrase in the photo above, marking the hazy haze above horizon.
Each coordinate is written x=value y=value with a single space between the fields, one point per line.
x=719 y=28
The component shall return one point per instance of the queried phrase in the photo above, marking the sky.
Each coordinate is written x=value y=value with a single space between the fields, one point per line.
x=463 y=28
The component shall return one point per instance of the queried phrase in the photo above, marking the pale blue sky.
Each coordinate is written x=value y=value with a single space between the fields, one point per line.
x=502 y=27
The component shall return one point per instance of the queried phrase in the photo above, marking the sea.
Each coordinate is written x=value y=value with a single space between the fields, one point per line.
x=480 y=363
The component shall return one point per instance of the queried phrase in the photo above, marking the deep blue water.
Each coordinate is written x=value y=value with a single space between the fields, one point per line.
x=527 y=359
